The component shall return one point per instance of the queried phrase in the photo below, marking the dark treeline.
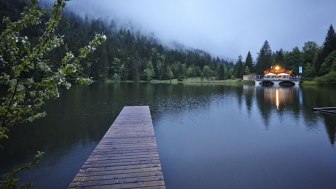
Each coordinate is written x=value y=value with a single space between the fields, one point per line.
x=315 y=60
x=127 y=54
x=130 y=55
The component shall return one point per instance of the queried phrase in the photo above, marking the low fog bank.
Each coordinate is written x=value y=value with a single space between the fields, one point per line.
x=223 y=28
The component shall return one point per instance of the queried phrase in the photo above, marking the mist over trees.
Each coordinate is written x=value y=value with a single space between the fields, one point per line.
x=130 y=55
x=127 y=54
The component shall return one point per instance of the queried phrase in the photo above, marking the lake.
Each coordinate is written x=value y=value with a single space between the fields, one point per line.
x=209 y=136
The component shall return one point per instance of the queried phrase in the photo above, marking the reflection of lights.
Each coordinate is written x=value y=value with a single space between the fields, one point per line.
x=277 y=99
x=279 y=96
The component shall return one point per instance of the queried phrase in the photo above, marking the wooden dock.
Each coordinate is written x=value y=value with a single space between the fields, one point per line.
x=126 y=157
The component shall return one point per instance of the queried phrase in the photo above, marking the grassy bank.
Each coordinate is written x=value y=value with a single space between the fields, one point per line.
x=309 y=83
x=329 y=79
x=196 y=80
x=213 y=81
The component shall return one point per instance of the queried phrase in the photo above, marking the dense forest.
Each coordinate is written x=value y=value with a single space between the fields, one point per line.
x=130 y=55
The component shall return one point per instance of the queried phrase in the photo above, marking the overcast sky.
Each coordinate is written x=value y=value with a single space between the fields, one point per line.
x=225 y=28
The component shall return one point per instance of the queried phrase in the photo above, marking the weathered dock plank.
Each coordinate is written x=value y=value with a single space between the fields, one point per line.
x=126 y=157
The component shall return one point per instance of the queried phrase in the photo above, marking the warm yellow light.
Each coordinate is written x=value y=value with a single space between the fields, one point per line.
x=277 y=67
x=277 y=101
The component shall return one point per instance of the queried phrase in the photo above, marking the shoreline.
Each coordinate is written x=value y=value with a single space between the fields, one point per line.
x=310 y=82
x=190 y=81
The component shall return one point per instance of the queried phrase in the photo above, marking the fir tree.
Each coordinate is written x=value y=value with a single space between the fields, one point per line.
x=329 y=46
x=294 y=60
x=309 y=57
x=264 y=60
x=221 y=72
x=248 y=63
x=279 y=58
x=239 y=68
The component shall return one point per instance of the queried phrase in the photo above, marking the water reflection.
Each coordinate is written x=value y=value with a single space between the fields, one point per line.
x=294 y=102
x=200 y=122
x=279 y=97
x=225 y=140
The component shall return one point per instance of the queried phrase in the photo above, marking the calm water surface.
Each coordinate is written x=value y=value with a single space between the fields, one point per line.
x=209 y=136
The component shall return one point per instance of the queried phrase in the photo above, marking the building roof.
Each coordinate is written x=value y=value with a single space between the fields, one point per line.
x=283 y=74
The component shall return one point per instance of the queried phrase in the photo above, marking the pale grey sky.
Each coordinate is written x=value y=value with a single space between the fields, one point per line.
x=225 y=28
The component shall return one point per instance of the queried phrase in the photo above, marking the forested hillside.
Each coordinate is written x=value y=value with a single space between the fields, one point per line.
x=130 y=55
x=127 y=54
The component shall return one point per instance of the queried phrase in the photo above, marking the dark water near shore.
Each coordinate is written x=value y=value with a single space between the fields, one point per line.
x=209 y=136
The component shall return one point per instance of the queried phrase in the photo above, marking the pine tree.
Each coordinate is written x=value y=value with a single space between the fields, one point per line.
x=329 y=46
x=328 y=64
x=239 y=68
x=248 y=63
x=294 y=60
x=279 y=58
x=264 y=60
x=309 y=56
x=221 y=72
